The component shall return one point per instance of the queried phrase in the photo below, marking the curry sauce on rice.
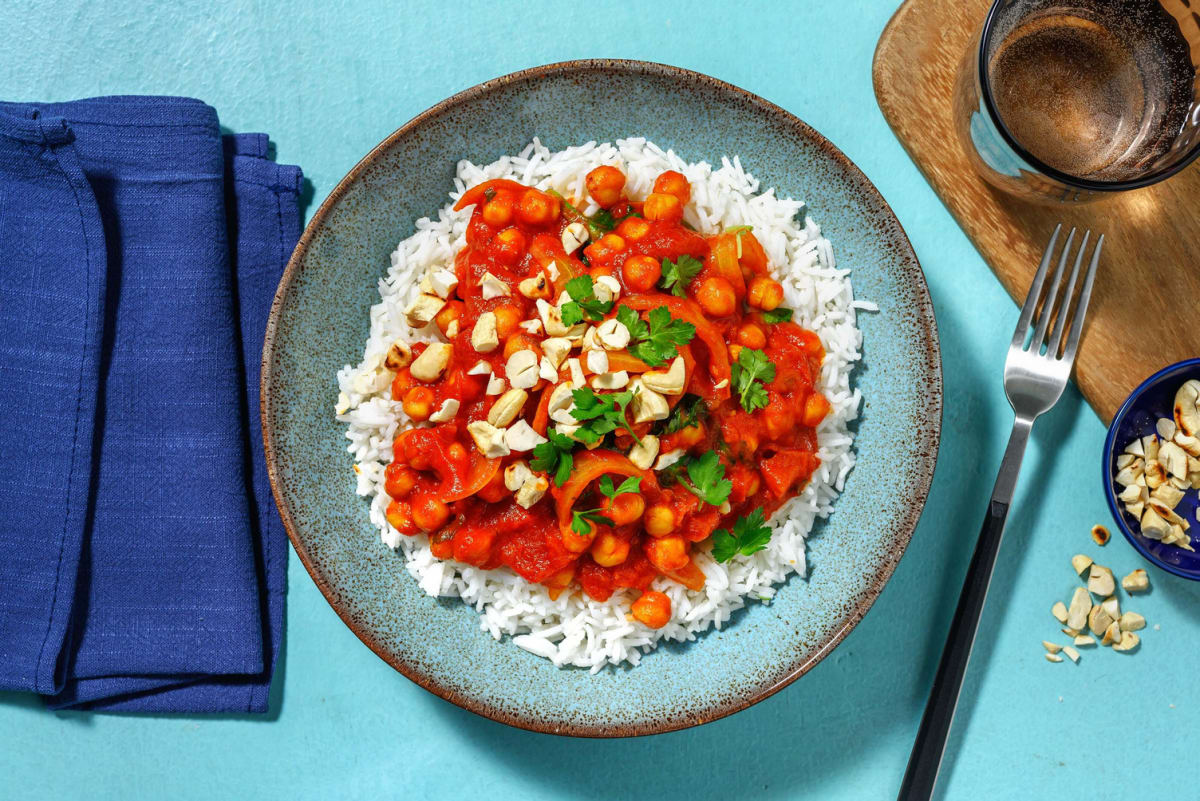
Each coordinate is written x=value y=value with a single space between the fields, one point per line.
x=605 y=396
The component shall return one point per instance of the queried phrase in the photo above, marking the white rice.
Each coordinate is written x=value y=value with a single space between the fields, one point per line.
x=575 y=630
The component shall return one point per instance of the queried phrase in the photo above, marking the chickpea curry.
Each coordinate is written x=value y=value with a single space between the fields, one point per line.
x=611 y=394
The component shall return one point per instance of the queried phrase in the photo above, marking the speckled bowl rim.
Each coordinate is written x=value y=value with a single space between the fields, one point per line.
x=1109 y=463
x=901 y=528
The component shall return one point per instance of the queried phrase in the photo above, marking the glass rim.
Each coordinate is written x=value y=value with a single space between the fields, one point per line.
x=1072 y=181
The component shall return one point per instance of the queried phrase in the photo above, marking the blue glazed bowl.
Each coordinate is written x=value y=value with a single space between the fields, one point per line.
x=319 y=322
x=1154 y=399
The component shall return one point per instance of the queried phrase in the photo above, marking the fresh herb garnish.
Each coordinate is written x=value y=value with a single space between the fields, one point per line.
x=598 y=224
x=603 y=220
x=579 y=520
x=655 y=341
x=777 y=315
x=600 y=414
x=750 y=535
x=676 y=275
x=554 y=456
x=631 y=484
x=691 y=410
x=706 y=479
x=583 y=303
x=751 y=371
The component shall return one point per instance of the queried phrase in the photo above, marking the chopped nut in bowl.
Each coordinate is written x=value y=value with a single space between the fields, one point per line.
x=1152 y=469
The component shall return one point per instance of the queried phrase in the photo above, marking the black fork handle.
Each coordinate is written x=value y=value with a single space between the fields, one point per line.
x=926 y=758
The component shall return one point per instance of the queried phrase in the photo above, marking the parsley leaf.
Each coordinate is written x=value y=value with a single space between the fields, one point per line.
x=579 y=521
x=583 y=302
x=750 y=535
x=751 y=371
x=690 y=410
x=600 y=414
x=554 y=456
x=656 y=341
x=598 y=224
x=777 y=315
x=707 y=479
x=678 y=274
x=631 y=484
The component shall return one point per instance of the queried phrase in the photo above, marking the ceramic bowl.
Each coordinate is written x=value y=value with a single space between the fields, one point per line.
x=319 y=323
x=1153 y=400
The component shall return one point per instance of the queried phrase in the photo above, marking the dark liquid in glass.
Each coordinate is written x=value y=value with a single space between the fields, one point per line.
x=1094 y=94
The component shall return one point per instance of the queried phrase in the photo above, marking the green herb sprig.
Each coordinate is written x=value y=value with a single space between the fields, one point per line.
x=749 y=374
x=583 y=303
x=657 y=339
x=676 y=275
x=750 y=535
x=581 y=518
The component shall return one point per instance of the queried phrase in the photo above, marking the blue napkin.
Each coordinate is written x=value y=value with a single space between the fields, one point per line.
x=143 y=563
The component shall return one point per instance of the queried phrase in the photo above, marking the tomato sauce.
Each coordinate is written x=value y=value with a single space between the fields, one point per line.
x=441 y=481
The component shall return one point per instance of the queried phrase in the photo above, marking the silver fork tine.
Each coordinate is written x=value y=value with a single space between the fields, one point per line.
x=1060 y=325
x=1035 y=290
x=1081 y=309
x=1051 y=301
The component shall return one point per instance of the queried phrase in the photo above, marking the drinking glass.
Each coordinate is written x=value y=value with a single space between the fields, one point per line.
x=1071 y=100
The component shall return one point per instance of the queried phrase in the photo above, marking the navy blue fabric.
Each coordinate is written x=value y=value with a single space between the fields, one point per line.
x=147 y=562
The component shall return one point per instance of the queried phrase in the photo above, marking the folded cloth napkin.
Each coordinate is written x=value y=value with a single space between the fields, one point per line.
x=142 y=560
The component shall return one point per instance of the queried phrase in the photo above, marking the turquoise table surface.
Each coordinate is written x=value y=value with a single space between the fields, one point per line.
x=328 y=79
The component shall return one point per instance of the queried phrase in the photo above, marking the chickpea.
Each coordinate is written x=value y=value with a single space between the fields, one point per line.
x=604 y=184
x=416 y=454
x=764 y=293
x=816 y=406
x=498 y=212
x=473 y=546
x=521 y=341
x=402 y=382
x=457 y=454
x=667 y=553
x=641 y=273
x=659 y=206
x=673 y=183
x=652 y=609
x=609 y=550
x=660 y=520
x=508 y=246
x=450 y=312
x=537 y=208
x=625 y=508
x=752 y=336
x=576 y=542
x=559 y=581
x=418 y=403
x=429 y=512
x=399 y=516
x=399 y=480
x=734 y=350
x=777 y=417
x=604 y=248
x=716 y=296
x=633 y=228
x=441 y=544
x=689 y=436
x=507 y=318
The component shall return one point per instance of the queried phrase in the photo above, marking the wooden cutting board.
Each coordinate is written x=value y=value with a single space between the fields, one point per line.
x=1148 y=285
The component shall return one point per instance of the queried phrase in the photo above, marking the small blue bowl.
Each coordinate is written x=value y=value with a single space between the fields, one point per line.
x=1155 y=398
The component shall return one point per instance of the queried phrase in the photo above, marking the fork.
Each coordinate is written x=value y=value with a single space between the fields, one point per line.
x=1035 y=375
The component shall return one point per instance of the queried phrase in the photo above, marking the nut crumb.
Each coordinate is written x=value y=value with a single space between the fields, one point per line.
x=1100 y=535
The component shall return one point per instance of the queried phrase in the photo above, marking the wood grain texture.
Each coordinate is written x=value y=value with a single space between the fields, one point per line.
x=1148 y=284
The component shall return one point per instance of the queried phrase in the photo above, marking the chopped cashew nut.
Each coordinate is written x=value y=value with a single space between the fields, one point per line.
x=597 y=362
x=647 y=404
x=668 y=382
x=1084 y=639
x=492 y=287
x=430 y=364
x=576 y=372
x=1128 y=642
x=507 y=407
x=443 y=282
x=1071 y=653
x=607 y=288
x=521 y=437
x=1053 y=657
x=516 y=474
x=615 y=380
x=522 y=369
x=1132 y=621
x=1100 y=535
x=532 y=491
x=488 y=439
x=1081 y=605
x=1053 y=648
x=612 y=334
x=1059 y=610
x=1081 y=563
x=669 y=458
x=556 y=349
x=643 y=453
x=398 y=357
x=1137 y=581
x=1098 y=620
x=531 y=326
x=446 y=412
x=480 y=368
x=421 y=311
x=484 y=336
x=495 y=385
x=573 y=236
x=535 y=287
